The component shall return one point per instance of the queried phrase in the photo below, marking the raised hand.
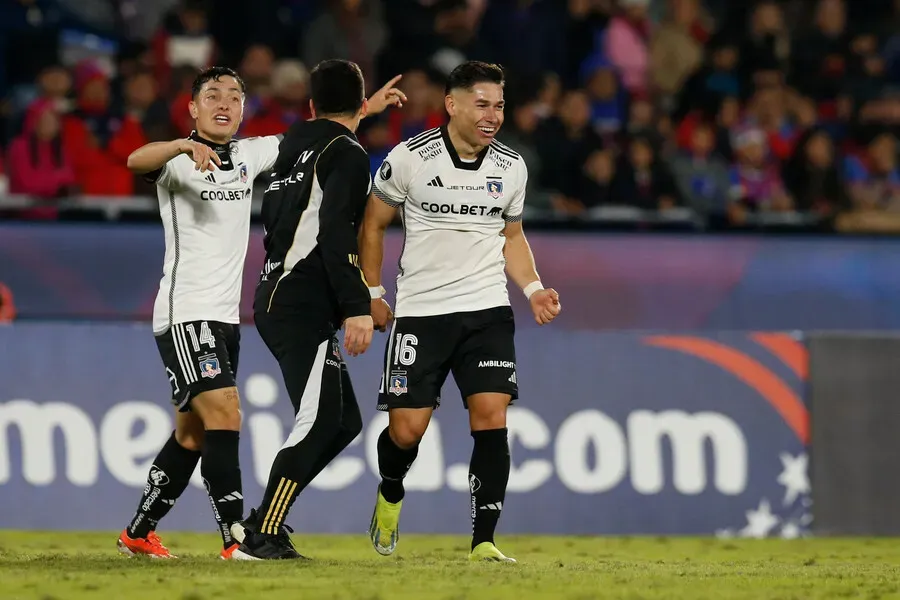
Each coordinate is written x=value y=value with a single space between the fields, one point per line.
x=388 y=95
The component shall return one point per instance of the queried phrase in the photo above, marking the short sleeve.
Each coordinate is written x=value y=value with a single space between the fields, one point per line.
x=392 y=181
x=516 y=205
x=166 y=177
x=264 y=151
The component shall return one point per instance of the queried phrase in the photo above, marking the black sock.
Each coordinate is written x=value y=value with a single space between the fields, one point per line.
x=393 y=464
x=221 y=471
x=488 y=476
x=169 y=476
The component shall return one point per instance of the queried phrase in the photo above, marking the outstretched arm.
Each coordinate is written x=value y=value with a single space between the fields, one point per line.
x=154 y=156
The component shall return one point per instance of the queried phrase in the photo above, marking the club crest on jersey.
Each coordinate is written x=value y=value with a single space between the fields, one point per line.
x=398 y=384
x=244 y=175
x=495 y=188
x=209 y=366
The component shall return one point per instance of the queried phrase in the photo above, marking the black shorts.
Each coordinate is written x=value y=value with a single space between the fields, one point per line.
x=199 y=356
x=477 y=347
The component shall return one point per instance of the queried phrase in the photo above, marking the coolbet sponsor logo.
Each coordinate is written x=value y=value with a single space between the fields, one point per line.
x=225 y=195
x=464 y=209
x=589 y=452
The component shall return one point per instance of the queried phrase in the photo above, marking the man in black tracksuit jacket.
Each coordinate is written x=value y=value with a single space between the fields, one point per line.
x=310 y=287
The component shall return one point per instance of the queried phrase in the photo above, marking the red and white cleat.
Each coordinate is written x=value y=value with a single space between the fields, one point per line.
x=150 y=546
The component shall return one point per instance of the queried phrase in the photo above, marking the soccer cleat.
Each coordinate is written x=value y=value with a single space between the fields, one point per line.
x=490 y=552
x=227 y=553
x=385 y=525
x=240 y=529
x=265 y=546
x=149 y=546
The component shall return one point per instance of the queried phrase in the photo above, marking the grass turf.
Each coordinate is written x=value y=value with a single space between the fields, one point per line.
x=64 y=566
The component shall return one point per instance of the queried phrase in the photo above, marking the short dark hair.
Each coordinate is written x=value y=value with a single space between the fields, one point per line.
x=471 y=72
x=337 y=87
x=215 y=74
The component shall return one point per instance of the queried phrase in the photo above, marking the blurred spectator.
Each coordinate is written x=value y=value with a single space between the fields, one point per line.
x=588 y=19
x=289 y=101
x=183 y=39
x=7 y=307
x=379 y=142
x=31 y=24
x=55 y=84
x=676 y=50
x=767 y=45
x=532 y=39
x=813 y=177
x=423 y=110
x=99 y=141
x=143 y=104
x=182 y=78
x=595 y=183
x=702 y=174
x=627 y=44
x=874 y=178
x=563 y=143
x=349 y=29
x=768 y=112
x=756 y=184
x=518 y=132
x=608 y=103
x=642 y=180
x=819 y=59
x=716 y=79
x=38 y=160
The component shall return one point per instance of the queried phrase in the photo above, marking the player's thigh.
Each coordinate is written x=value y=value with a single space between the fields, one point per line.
x=310 y=360
x=198 y=357
x=416 y=363
x=484 y=363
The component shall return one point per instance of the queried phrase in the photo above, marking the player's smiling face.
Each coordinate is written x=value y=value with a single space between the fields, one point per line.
x=218 y=109
x=478 y=112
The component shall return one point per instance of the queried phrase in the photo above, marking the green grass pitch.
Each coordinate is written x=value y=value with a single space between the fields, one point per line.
x=73 y=566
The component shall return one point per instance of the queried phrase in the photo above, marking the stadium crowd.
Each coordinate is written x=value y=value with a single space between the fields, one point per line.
x=729 y=111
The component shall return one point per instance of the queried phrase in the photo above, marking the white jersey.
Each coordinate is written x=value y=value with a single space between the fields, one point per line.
x=206 y=218
x=453 y=215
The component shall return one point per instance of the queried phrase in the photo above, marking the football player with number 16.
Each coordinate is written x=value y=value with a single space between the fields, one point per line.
x=461 y=194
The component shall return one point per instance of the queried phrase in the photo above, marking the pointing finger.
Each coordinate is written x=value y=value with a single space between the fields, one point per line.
x=393 y=81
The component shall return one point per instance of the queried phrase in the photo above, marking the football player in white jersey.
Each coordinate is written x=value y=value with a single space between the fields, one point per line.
x=461 y=195
x=204 y=184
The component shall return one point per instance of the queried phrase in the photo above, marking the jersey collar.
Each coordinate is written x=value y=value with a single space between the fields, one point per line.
x=218 y=148
x=454 y=156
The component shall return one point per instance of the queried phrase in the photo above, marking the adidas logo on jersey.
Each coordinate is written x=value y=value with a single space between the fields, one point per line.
x=210 y=178
x=512 y=378
x=436 y=182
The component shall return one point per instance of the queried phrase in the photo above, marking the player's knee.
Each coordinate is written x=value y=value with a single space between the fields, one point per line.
x=190 y=439
x=219 y=409
x=407 y=433
x=487 y=415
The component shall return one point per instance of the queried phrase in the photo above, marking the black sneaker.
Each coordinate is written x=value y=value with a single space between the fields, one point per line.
x=265 y=546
